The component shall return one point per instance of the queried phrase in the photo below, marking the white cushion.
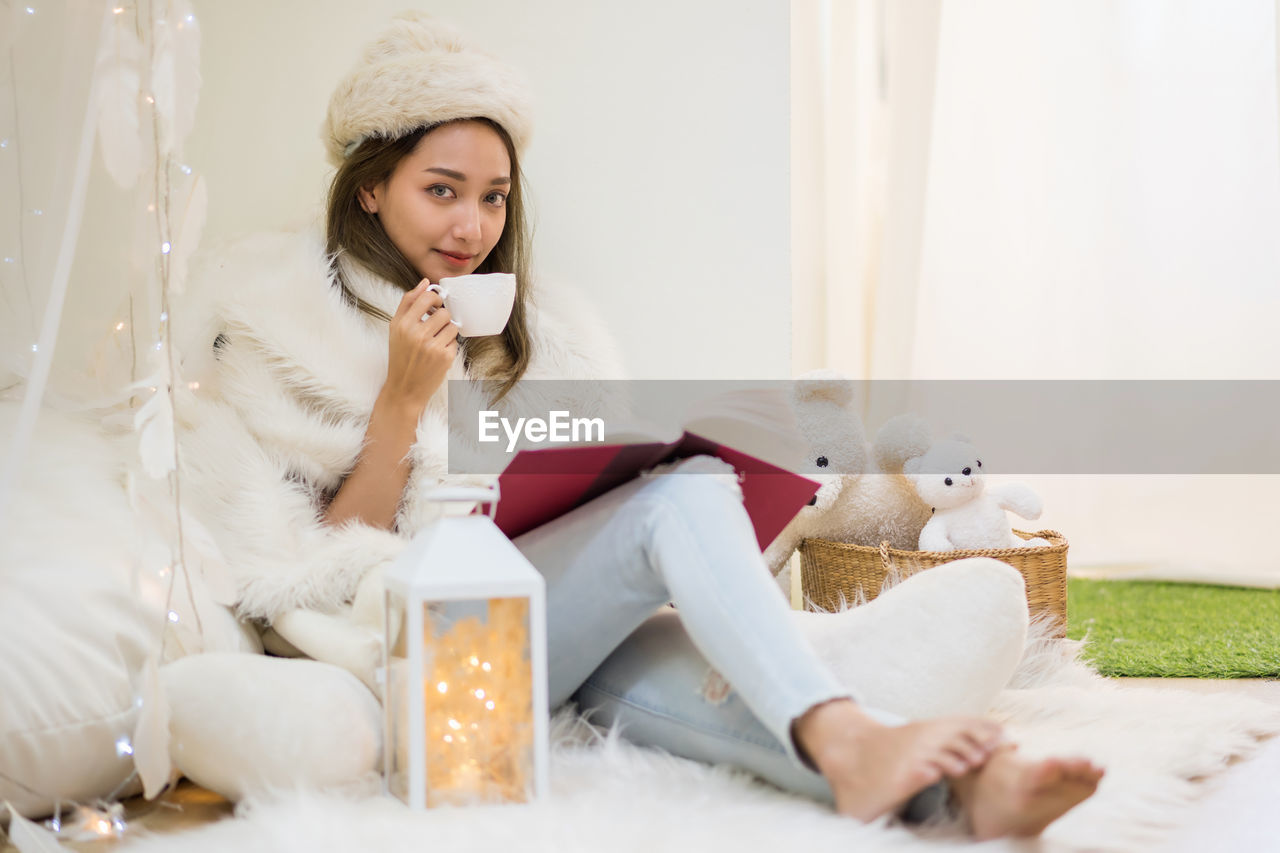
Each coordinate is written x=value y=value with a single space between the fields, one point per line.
x=944 y=641
x=76 y=624
x=243 y=724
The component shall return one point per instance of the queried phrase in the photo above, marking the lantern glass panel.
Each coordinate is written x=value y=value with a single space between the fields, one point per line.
x=396 y=702
x=478 y=704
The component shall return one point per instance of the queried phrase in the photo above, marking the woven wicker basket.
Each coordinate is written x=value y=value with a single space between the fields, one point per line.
x=833 y=572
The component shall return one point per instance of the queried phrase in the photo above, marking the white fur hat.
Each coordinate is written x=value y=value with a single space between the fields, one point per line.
x=419 y=72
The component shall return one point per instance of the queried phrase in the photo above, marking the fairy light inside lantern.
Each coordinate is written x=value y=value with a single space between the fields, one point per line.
x=465 y=670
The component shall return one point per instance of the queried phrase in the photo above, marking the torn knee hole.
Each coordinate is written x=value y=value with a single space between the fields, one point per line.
x=715 y=690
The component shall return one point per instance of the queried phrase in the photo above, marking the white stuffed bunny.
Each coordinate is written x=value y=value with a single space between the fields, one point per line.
x=864 y=498
x=966 y=515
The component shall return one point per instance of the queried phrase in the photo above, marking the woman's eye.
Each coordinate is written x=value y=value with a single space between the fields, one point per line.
x=497 y=199
x=446 y=192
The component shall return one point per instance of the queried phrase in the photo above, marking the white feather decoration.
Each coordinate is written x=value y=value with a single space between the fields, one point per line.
x=28 y=837
x=175 y=76
x=186 y=217
x=151 y=734
x=154 y=421
x=119 y=83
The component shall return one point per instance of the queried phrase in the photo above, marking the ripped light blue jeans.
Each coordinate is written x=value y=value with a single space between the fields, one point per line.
x=722 y=678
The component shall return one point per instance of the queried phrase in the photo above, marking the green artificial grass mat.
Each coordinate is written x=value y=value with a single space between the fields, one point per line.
x=1152 y=629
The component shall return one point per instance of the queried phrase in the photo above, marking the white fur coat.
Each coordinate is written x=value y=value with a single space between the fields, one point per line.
x=282 y=402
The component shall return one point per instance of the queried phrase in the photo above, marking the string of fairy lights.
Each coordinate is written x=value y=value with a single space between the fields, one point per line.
x=151 y=400
x=479 y=690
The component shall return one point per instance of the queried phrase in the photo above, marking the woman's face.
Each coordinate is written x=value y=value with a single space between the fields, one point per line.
x=445 y=205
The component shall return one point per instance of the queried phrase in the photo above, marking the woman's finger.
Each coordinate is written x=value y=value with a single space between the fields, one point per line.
x=449 y=332
x=435 y=321
x=409 y=296
x=425 y=307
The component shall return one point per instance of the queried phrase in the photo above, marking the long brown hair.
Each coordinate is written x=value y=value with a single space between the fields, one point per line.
x=350 y=230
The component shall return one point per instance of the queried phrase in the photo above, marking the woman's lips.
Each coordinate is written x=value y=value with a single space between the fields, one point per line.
x=454 y=259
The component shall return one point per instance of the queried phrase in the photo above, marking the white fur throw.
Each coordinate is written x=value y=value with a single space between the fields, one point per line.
x=610 y=795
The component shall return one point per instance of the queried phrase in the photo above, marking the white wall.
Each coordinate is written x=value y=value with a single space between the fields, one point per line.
x=658 y=167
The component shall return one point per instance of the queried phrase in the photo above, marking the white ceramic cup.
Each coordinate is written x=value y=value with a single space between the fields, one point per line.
x=479 y=303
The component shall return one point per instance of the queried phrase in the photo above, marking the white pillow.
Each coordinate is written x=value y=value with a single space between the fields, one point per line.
x=75 y=620
x=250 y=724
x=944 y=641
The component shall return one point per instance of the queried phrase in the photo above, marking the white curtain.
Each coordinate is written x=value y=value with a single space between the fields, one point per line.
x=47 y=123
x=1084 y=190
x=862 y=84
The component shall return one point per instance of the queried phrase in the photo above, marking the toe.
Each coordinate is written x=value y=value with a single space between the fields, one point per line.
x=977 y=748
x=1083 y=770
x=970 y=749
x=951 y=764
x=924 y=775
x=1047 y=773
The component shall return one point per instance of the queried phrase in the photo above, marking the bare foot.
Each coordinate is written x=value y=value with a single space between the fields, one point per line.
x=1013 y=796
x=874 y=769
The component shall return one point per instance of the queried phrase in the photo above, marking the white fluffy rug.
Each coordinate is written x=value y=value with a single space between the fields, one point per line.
x=610 y=795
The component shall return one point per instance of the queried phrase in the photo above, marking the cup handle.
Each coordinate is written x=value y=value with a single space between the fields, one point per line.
x=438 y=289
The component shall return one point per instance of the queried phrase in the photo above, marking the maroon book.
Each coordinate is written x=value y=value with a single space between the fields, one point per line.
x=538 y=486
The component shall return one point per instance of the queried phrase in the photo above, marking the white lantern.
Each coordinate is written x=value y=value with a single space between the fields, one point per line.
x=466 y=673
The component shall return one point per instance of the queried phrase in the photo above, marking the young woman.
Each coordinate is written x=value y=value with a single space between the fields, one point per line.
x=328 y=371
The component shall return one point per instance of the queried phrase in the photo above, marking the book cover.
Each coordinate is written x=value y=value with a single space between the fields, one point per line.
x=541 y=485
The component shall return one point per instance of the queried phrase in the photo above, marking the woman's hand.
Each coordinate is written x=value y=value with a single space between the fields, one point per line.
x=420 y=350
x=420 y=353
